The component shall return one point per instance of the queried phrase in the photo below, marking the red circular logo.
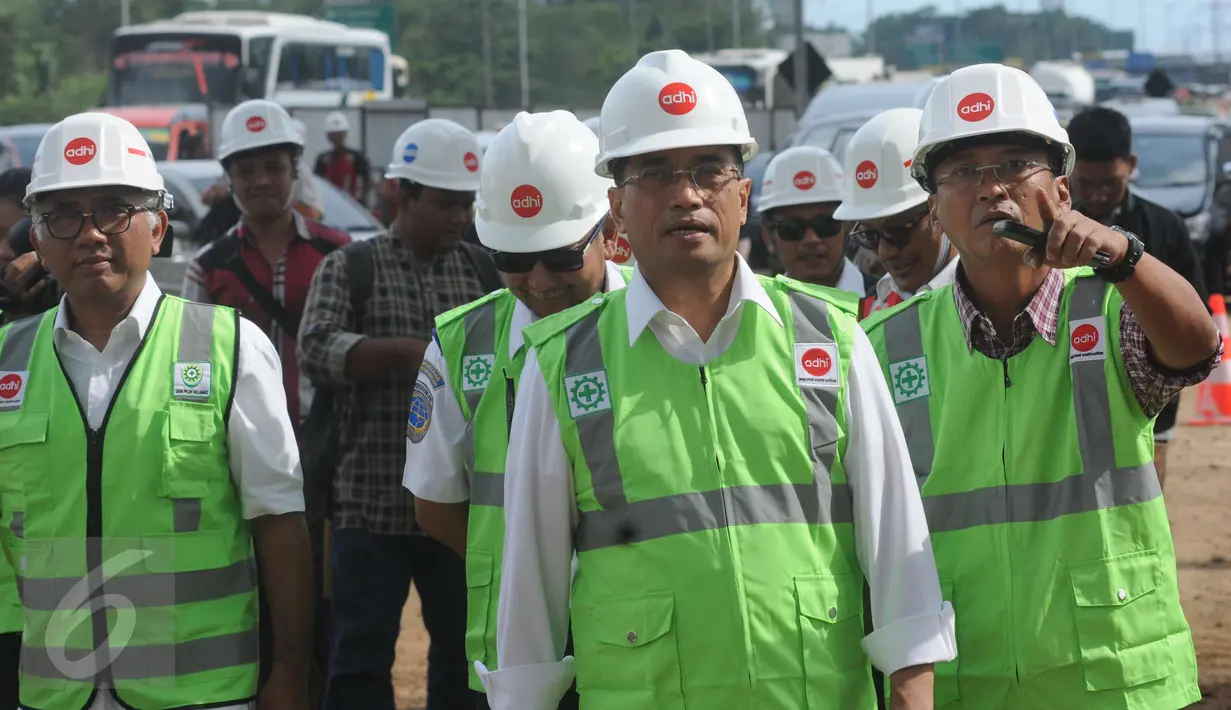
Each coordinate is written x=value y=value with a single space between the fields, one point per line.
x=817 y=362
x=1085 y=338
x=975 y=107
x=677 y=98
x=471 y=161
x=624 y=250
x=256 y=124
x=866 y=174
x=80 y=151
x=527 y=201
x=10 y=385
x=804 y=180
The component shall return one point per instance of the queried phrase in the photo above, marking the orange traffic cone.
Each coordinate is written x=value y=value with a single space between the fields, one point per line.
x=1214 y=395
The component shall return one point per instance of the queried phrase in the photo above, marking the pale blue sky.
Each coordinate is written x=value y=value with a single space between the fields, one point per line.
x=1170 y=25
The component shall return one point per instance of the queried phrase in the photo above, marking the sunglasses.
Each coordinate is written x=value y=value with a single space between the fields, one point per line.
x=794 y=230
x=562 y=260
x=896 y=235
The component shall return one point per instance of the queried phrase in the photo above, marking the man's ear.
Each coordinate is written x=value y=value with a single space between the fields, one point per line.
x=609 y=238
x=934 y=218
x=159 y=232
x=615 y=199
x=1064 y=198
x=1132 y=163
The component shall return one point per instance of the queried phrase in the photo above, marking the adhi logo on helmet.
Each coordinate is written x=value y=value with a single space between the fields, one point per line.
x=471 y=161
x=975 y=107
x=804 y=180
x=527 y=201
x=677 y=98
x=866 y=174
x=255 y=124
x=80 y=151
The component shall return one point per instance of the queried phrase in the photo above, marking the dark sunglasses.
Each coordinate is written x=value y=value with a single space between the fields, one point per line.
x=562 y=260
x=895 y=235
x=794 y=230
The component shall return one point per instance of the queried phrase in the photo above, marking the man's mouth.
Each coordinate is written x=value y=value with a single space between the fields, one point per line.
x=997 y=215
x=688 y=228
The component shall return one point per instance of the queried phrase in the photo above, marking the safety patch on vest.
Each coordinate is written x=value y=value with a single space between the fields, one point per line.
x=192 y=380
x=910 y=379
x=816 y=364
x=588 y=393
x=434 y=378
x=1087 y=340
x=476 y=371
x=13 y=388
x=420 y=411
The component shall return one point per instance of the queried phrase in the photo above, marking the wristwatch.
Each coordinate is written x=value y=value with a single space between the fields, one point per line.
x=1128 y=264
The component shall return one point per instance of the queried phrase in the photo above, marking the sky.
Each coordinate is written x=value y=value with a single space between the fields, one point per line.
x=1170 y=25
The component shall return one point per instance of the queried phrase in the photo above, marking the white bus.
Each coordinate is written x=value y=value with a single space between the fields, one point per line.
x=228 y=57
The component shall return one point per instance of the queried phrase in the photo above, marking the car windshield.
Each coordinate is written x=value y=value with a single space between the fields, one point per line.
x=1171 y=160
x=341 y=211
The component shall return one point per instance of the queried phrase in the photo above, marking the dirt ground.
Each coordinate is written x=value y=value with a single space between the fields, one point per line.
x=1199 y=503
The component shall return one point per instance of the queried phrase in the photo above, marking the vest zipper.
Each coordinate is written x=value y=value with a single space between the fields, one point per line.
x=510 y=396
x=1004 y=465
x=1007 y=382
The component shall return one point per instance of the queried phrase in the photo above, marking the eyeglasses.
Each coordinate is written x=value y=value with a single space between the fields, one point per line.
x=563 y=260
x=794 y=230
x=111 y=220
x=708 y=179
x=1010 y=172
x=895 y=235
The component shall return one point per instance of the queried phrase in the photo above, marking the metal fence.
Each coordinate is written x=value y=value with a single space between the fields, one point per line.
x=375 y=127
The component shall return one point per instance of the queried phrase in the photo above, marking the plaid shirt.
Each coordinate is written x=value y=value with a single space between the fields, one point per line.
x=1153 y=384
x=407 y=295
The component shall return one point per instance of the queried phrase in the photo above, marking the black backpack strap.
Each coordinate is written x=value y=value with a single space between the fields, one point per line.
x=483 y=265
x=361 y=273
x=262 y=295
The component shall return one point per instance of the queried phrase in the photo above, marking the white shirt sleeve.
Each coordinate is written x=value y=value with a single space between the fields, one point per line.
x=540 y=515
x=434 y=468
x=913 y=625
x=264 y=455
x=305 y=186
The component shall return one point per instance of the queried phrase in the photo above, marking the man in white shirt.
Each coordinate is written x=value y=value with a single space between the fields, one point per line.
x=800 y=193
x=720 y=452
x=159 y=449
x=891 y=211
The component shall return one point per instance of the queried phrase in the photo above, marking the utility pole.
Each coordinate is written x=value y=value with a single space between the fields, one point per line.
x=489 y=91
x=735 y=22
x=124 y=16
x=709 y=23
x=870 y=39
x=524 y=54
x=632 y=28
x=1214 y=28
x=801 y=61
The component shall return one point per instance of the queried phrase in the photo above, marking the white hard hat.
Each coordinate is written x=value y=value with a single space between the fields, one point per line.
x=92 y=150
x=257 y=123
x=438 y=153
x=878 y=160
x=336 y=122
x=670 y=100
x=987 y=99
x=803 y=175
x=592 y=124
x=538 y=190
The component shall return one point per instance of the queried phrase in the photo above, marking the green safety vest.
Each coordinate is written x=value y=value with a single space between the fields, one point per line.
x=1046 y=514
x=716 y=557
x=141 y=515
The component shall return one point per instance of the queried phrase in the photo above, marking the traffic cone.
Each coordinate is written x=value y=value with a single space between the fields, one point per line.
x=1214 y=395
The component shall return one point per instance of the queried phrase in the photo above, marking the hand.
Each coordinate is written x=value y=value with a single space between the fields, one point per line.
x=1073 y=238
x=283 y=691
x=214 y=195
x=20 y=276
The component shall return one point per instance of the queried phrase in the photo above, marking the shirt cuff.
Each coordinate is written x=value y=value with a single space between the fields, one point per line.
x=534 y=687
x=913 y=641
x=335 y=354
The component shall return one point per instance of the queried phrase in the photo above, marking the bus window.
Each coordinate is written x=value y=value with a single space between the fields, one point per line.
x=174 y=68
x=324 y=67
x=260 y=50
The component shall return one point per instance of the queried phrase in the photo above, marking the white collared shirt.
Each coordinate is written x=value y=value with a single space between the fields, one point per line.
x=914 y=626
x=434 y=468
x=886 y=285
x=851 y=279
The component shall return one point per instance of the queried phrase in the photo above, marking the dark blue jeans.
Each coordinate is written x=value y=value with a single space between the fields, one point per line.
x=371 y=580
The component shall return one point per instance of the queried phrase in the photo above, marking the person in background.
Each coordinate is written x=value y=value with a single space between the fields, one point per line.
x=800 y=192
x=25 y=288
x=346 y=168
x=890 y=211
x=308 y=201
x=421 y=269
x=1103 y=141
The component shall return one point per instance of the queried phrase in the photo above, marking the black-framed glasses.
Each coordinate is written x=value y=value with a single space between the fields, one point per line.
x=794 y=229
x=1010 y=172
x=111 y=220
x=562 y=260
x=895 y=235
x=708 y=179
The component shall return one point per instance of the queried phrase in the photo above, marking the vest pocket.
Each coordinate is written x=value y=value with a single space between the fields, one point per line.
x=190 y=461
x=1120 y=612
x=835 y=667
x=479 y=597
x=626 y=654
x=946 y=674
x=24 y=462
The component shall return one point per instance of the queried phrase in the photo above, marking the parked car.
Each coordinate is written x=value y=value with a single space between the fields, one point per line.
x=19 y=143
x=836 y=113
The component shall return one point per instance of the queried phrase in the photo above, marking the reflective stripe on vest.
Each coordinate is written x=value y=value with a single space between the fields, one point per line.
x=620 y=522
x=486 y=487
x=1099 y=486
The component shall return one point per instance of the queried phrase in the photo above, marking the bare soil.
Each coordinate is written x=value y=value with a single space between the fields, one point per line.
x=1198 y=493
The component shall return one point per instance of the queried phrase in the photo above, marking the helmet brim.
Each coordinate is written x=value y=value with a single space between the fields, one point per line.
x=849 y=212
x=671 y=140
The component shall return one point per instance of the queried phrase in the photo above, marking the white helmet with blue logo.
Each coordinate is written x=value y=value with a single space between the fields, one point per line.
x=437 y=153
